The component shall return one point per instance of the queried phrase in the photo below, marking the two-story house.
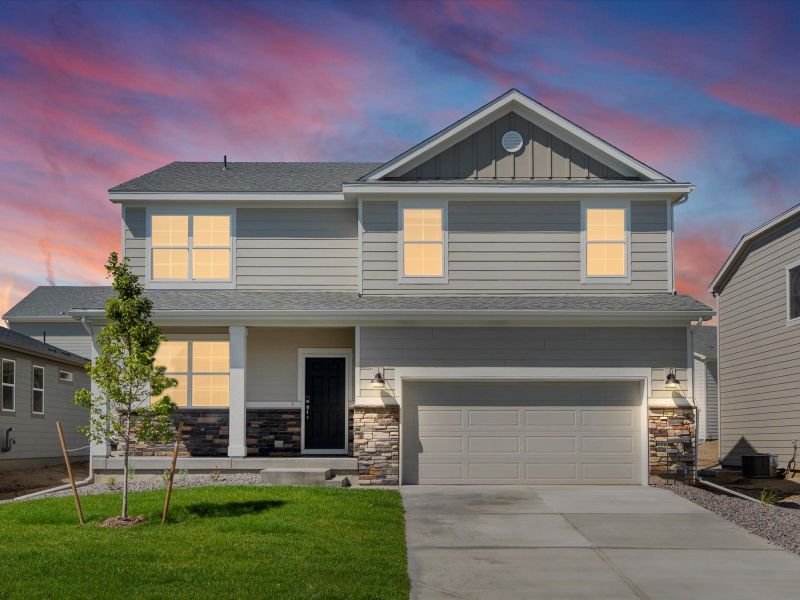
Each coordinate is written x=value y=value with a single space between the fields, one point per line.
x=495 y=305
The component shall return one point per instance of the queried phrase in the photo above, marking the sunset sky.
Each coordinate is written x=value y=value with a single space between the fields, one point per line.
x=94 y=93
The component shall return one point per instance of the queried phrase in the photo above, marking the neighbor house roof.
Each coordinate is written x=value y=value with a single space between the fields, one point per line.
x=200 y=177
x=705 y=341
x=748 y=239
x=47 y=301
x=22 y=343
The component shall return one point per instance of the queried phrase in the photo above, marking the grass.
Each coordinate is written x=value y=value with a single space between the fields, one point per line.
x=221 y=542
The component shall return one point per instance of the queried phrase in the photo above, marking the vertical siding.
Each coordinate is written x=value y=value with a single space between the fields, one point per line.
x=759 y=354
x=134 y=225
x=482 y=156
x=514 y=247
x=657 y=348
x=71 y=336
x=712 y=401
x=35 y=435
x=294 y=248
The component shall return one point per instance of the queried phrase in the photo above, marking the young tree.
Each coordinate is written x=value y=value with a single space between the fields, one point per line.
x=125 y=372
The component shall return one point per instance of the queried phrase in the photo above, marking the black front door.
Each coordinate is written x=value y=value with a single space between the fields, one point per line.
x=325 y=403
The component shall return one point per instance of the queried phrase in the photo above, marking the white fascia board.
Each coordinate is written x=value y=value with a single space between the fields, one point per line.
x=38 y=319
x=567 y=190
x=745 y=241
x=537 y=113
x=228 y=197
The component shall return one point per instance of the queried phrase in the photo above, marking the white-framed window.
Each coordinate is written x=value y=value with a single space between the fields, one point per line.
x=422 y=242
x=190 y=247
x=605 y=242
x=65 y=376
x=793 y=293
x=202 y=369
x=8 y=381
x=37 y=390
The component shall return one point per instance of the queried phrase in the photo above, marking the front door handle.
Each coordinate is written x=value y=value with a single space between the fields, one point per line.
x=308 y=407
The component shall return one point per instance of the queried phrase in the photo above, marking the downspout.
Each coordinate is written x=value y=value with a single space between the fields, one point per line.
x=697 y=477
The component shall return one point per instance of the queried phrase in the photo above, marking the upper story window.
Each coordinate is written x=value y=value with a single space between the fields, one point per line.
x=190 y=247
x=606 y=242
x=793 y=275
x=8 y=381
x=423 y=240
x=201 y=368
x=37 y=387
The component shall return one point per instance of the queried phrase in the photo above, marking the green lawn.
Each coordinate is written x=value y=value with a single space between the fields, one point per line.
x=222 y=542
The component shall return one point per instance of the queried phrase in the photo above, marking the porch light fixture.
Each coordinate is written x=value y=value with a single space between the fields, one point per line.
x=672 y=382
x=378 y=382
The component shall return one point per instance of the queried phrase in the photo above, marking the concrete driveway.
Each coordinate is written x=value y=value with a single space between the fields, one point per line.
x=575 y=542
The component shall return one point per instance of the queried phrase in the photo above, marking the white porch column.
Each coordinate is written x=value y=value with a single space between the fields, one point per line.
x=237 y=428
x=97 y=449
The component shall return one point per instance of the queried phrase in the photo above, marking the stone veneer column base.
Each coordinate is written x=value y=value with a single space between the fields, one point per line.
x=671 y=442
x=376 y=444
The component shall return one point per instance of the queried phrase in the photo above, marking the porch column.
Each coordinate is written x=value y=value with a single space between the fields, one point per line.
x=97 y=449
x=237 y=428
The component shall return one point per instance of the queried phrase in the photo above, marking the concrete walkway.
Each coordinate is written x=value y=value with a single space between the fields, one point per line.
x=574 y=542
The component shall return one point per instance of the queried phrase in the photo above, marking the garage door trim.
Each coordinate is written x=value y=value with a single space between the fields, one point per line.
x=531 y=374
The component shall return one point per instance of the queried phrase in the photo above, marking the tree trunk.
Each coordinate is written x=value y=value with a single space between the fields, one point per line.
x=125 y=470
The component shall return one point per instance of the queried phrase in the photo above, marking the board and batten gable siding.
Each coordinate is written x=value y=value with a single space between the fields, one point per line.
x=277 y=247
x=389 y=348
x=508 y=247
x=70 y=336
x=759 y=353
x=294 y=248
x=482 y=156
x=35 y=435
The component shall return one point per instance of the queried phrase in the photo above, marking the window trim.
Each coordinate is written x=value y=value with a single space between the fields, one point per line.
x=601 y=279
x=414 y=279
x=34 y=389
x=789 y=320
x=229 y=283
x=190 y=338
x=13 y=386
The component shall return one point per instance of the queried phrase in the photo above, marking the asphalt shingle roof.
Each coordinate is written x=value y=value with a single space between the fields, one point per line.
x=60 y=300
x=705 y=341
x=248 y=177
x=23 y=343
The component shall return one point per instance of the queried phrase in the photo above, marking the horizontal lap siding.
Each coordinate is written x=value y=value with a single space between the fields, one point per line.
x=392 y=347
x=36 y=435
x=134 y=223
x=514 y=247
x=297 y=248
x=759 y=355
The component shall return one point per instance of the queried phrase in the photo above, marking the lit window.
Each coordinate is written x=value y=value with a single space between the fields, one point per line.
x=423 y=242
x=199 y=245
x=606 y=254
x=37 y=400
x=201 y=368
x=794 y=292
x=8 y=381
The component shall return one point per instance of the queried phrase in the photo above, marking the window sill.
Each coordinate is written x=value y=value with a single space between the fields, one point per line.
x=423 y=280
x=190 y=285
x=605 y=280
x=793 y=322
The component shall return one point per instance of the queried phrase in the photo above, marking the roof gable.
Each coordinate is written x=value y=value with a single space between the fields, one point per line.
x=578 y=141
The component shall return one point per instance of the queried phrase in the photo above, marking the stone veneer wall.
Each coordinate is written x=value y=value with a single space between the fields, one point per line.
x=671 y=442
x=206 y=433
x=376 y=444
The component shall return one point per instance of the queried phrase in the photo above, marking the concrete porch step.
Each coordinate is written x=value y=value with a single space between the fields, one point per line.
x=296 y=476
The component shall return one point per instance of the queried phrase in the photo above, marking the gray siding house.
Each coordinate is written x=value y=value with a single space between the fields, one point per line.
x=758 y=304
x=706 y=388
x=38 y=383
x=495 y=305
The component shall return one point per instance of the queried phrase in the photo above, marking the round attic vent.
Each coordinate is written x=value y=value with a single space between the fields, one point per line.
x=512 y=141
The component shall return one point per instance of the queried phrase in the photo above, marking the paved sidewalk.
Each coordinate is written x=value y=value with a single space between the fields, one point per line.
x=576 y=542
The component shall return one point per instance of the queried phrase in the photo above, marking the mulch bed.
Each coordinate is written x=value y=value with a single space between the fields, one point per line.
x=117 y=522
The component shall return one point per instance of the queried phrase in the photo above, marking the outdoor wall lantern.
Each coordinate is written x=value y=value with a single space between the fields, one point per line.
x=378 y=382
x=672 y=382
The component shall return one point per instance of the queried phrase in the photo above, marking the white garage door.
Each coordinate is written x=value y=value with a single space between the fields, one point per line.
x=520 y=432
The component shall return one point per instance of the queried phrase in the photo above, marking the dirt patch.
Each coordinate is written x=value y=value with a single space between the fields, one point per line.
x=18 y=482
x=709 y=454
x=119 y=522
x=787 y=491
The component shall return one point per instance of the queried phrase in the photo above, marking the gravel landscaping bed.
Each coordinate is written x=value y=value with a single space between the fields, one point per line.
x=776 y=524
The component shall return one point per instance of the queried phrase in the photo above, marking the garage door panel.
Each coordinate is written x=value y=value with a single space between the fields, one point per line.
x=452 y=434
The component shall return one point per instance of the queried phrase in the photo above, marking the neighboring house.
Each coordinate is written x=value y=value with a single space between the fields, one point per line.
x=38 y=383
x=495 y=305
x=705 y=381
x=758 y=304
